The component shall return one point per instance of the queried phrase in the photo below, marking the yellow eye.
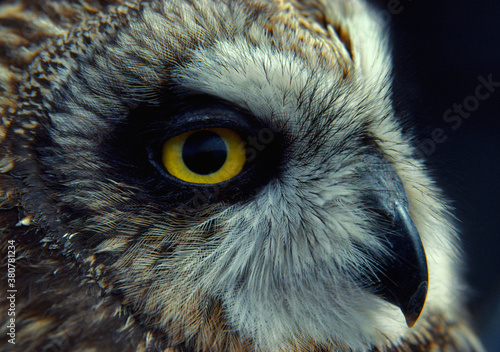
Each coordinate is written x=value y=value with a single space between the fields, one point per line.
x=205 y=156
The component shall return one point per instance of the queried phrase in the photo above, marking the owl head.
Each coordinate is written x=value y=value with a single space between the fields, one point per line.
x=227 y=175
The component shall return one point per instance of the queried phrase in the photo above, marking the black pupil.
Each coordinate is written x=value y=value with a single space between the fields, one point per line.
x=204 y=152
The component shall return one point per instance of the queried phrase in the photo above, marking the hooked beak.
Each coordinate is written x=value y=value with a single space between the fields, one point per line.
x=401 y=277
x=404 y=277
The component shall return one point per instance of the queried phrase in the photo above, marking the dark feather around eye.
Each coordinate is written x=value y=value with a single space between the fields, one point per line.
x=134 y=152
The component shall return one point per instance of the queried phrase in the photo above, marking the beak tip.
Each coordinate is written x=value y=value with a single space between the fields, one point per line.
x=411 y=320
x=415 y=306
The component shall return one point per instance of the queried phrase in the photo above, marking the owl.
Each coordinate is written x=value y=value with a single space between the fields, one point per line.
x=216 y=175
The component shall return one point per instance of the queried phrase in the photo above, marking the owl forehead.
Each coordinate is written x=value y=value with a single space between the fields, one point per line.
x=275 y=86
x=275 y=60
x=276 y=50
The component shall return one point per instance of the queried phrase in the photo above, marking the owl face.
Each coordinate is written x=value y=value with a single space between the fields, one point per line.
x=238 y=167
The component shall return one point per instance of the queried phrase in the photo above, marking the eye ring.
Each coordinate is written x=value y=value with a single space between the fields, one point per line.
x=204 y=156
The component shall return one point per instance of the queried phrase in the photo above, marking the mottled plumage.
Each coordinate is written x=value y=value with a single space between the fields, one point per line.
x=315 y=246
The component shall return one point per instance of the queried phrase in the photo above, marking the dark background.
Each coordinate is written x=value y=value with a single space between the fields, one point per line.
x=441 y=48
